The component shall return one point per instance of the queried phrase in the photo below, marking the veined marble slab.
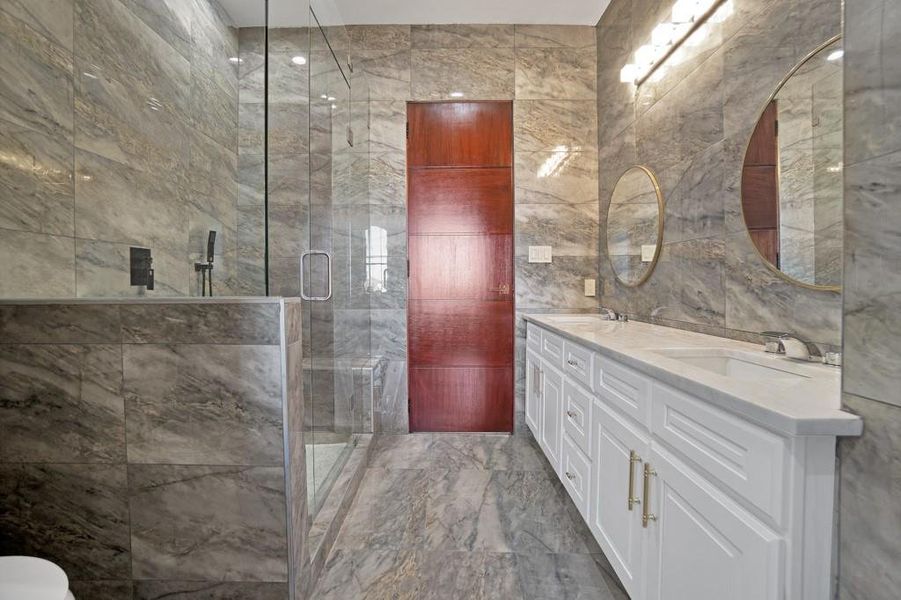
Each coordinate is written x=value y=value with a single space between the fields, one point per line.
x=808 y=407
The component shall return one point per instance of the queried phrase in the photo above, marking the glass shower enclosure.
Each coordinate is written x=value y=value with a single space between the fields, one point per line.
x=318 y=223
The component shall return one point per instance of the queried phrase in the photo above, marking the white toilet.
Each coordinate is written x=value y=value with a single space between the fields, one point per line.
x=30 y=578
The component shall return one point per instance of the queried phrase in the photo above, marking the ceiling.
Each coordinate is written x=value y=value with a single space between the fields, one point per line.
x=292 y=13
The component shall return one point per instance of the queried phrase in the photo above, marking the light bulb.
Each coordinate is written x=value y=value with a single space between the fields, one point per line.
x=645 y=55
x=299 y=60
x=662 y=34
x=628 y=74
x=836 y=55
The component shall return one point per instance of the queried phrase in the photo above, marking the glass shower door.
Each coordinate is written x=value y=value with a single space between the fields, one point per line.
x=331 y=266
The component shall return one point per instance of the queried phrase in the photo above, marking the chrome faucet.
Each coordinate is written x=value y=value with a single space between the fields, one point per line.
x=608 y=313
x=791 y=346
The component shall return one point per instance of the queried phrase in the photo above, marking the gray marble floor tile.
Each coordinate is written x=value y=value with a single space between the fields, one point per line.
x=564 y=577
x=554 y=125
x=36 y=182
x=203 y=404
x=61 y=403
x=401 y=451
x=555 y=36
x=231 y=323
x=35 y=265
x=563 y=73
x=73 y=515
x=477 y=73
x=208 y=590
x=389 y=511
x=462 y=36
x=36 y=87
x=190 y=523
x=502 y=511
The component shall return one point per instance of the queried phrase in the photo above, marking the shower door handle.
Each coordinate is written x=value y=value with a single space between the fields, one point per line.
x=328 y=262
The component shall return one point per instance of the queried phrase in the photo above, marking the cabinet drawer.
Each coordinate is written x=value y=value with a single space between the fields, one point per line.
x=577 y=414
x=533 y=336
x=624 y=389
x=748 y=459
x=575 y=472
x=552 y=348
x=577 y=363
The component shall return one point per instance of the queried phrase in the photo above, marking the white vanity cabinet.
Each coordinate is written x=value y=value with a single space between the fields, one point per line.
x=615 y=510
x=686 y=499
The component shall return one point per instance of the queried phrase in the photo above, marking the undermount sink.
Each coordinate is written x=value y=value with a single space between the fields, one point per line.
x=737 y=364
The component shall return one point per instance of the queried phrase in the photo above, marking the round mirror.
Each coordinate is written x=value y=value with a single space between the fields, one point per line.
x=635 y=226
x=791 y=187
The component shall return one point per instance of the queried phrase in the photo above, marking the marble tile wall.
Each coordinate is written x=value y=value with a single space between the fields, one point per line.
x=118 y=128
x=143 y=445
x=691 y=128
x=870 y=516
x=549 y=74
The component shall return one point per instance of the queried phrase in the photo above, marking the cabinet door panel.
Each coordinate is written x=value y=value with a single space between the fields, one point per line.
x=533 y=392
x=577 y=414
x=617 y=528
x=704 y=546
x=576 y=470
x=551 y=414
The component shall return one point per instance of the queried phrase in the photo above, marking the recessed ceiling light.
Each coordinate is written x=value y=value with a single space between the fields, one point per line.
x=299 y=60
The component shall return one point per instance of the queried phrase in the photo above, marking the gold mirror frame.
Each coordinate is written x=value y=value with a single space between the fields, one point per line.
x=661 y=211
x=741 y=204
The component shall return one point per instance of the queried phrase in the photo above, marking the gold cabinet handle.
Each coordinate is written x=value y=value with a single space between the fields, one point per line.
x=645 y=515
x=633 y=458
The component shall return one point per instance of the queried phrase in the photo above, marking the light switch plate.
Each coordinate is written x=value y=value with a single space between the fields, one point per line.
x=647 y=252
x=590 y=287
x=540 y=254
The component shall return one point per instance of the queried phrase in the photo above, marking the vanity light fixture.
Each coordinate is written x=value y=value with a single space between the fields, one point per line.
x=688 y=26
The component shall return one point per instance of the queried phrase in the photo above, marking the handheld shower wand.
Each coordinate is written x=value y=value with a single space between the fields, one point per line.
x=206 y=269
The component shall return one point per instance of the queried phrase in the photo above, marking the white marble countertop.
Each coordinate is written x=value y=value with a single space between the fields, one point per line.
x=800 y=407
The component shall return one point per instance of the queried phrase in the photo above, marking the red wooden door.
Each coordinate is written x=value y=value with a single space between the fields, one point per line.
x=460 y=244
